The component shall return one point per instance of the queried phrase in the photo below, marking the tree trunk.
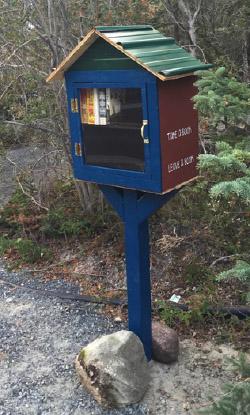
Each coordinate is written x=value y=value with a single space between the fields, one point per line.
x=245 y=63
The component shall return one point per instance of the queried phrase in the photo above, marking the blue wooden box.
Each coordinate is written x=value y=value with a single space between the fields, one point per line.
x=133 y=65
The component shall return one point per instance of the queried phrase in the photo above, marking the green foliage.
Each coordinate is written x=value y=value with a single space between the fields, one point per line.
x=241 y=365
x=195 y=272
x=236 y=397
x=228 y=163
x=30 y=251
x=222 y=97
x=27 y=250
x=18 y=204
x=5 y=244
x=58 y=223
x=239 y=188
x=173 y=316
x=241 y=272
x=221 y=163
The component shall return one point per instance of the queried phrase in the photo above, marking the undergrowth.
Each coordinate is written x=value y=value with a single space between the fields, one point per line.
x=236 y=396
x=24 y=250
x=30 y=232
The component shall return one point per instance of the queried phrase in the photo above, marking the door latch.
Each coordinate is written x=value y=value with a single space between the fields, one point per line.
x=145 y=139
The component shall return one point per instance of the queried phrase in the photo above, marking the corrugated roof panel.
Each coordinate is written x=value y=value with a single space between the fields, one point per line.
x=168 y=62
x=124 y=40
x=123 y=28
x=142 y=45
x=148 y=46
x=185 y=69
x=132 y=33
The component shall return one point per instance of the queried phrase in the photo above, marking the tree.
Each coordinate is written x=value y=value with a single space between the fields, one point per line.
x=222 y=98
x=35 y=36
x=185 y=15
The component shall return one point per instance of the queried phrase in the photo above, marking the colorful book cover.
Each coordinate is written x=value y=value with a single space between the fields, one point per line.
x=102 y=103
x=83 y=106
x=94 y=105
x=90 y=103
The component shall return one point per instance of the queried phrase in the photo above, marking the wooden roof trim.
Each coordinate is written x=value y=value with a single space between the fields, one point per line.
x=72 y=57
x=83 y=45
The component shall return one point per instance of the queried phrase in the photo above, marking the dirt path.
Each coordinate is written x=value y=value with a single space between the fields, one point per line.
x=40 y=337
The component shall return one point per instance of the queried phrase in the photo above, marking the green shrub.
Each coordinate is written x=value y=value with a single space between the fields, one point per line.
x=222 y=97
x=195 y=272
x=58 y=223
x=27 y=250
x=236 y=397
x=173 y=316
x=5 y=244
x=240 y=272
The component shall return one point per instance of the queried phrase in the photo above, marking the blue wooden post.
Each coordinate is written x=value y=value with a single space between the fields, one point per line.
x=138 y=271
x=134 y=209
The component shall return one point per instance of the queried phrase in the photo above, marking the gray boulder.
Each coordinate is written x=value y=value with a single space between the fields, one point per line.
x=114 y=369
x=165 y=343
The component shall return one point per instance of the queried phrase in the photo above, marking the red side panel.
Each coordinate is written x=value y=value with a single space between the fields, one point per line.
x=178 y=132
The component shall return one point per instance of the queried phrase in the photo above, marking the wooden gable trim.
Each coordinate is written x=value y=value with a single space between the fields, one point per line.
x=72 y=57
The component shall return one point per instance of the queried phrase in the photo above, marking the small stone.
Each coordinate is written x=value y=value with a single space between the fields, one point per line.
x=165 y=343
x=186 y=406
x=114 y=369
x=215 y=356
x=118 y=319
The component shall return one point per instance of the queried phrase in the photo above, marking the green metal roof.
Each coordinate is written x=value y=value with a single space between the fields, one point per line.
x=133 y=45
x=157 y=52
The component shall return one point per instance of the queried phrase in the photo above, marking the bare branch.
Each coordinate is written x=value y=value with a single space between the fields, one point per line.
x=225 y=258
x=23 y=190
x=171 y=14
x=36 y=127
x=16 y=50
x=8 y=87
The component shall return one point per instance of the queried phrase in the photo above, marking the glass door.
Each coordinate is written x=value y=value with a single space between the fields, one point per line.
x=112 y=123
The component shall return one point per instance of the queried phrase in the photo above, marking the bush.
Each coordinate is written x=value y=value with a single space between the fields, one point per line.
x=236 y=397
x=27 y=250
x=240 y=272
x=222 y=97
x=59 y=222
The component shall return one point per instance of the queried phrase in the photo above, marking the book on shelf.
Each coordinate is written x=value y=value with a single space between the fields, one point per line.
x=94 y=105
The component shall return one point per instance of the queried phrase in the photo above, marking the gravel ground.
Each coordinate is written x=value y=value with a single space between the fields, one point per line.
x=41 y=335
x=40 y=338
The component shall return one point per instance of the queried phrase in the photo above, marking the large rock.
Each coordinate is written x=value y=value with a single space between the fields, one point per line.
x=165 y=343
x=114 y=369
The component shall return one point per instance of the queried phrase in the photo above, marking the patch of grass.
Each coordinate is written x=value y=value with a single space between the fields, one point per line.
x=173 y=316
x=236 y=397
x=60 y=222
x=27 y=250
x=5 y=244
x=19 y=204
x=196 y=272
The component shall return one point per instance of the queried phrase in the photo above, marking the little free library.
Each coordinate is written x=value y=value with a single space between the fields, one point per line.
x=134 y=132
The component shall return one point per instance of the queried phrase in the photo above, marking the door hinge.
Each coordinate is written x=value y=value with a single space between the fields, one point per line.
x=74 y=105
x=78 y=149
